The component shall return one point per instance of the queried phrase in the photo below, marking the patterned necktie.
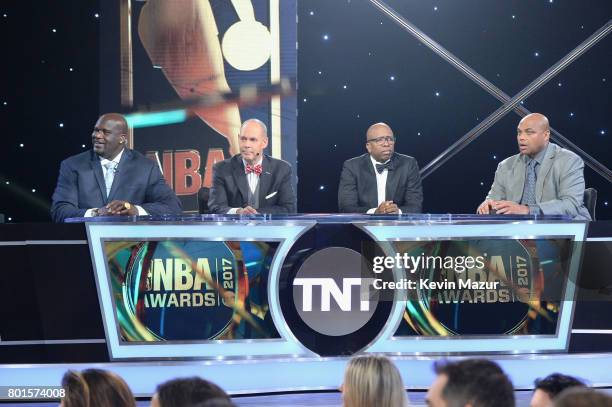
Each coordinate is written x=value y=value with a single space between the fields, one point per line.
x=109 y=175
x=530 y=184
x=386 y=166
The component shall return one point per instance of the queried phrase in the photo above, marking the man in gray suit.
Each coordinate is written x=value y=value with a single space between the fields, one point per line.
x=542 y=179
x=381 y=181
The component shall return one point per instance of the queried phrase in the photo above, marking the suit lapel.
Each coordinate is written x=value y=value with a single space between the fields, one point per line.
x=265 y=179
x=518 y=180
x=96 y=167
x=240 y=177
x=547 y=163
x=370 y=187
x=392 y=181
x=122 y=168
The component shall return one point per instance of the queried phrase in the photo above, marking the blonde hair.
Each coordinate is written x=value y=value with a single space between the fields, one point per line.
x=373 y=381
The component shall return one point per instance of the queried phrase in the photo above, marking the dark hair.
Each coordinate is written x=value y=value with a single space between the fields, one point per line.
x=582 y=397
x=96 y=388
x=480 y=382
x=217 y=402
x=188 y=391
x=555 y=383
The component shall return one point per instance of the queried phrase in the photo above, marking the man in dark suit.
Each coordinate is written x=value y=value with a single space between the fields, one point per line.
x=381 y=181
x=252 y=182
x=111 y=179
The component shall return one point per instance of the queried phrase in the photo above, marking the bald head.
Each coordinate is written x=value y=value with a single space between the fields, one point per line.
x=536 y=120
x=378 y=129
x=115 y=120
x=109 y=136
x=532 y=134
x=380 y=142
x=253 y=140
x=254 y=126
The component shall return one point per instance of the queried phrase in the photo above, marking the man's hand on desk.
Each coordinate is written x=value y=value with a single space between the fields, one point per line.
x=485 y=207
x=246 y=211
x=510 y=208
x=387 y=207
x=118 y=208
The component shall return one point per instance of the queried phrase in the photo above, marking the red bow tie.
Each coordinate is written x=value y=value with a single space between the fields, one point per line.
x=253 y=168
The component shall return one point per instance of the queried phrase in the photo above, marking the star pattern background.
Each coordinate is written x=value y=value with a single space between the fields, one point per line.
x=355 y=67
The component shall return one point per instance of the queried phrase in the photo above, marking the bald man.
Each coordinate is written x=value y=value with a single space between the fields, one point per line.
x=252 y=182
x=110 y=179
x=380 y=181
x=542 y=179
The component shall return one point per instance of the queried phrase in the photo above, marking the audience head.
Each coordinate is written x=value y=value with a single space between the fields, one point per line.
x=95 y=388
x=532 y=134
x=472 y=382
x=582 y=397
x=187 y=392
x=372 y=381
x=109 y=136
x=548 y=388
x=380 y=142
x=253 y=140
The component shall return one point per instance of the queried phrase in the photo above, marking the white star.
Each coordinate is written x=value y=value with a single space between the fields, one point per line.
x=559 y=84
x=513 y=16
x=53 y=30
x=311 y=13
x=97 y=15
x=435 y=8
x=33 y=190
x=83 y=145
x=5 y=103
x=321 y=188
x=495 y=157
x=537 y=54
x=7 y=182
x=437 y=93
x=70 y=69
x=325 y=37
x=320 y=72
x=10 y=219
x=418 y=133
x=571 y=114
x=392 y=78
x=602 y=132
x=21 y=145
x=61 y=124
x=344 y=86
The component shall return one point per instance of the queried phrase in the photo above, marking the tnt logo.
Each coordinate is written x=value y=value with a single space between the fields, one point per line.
x=329 y=289
x=329 y=294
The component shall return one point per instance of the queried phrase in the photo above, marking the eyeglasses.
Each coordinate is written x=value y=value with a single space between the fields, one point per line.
x=382 y=140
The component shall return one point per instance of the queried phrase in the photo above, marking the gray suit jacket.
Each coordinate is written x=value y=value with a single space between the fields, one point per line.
x=358 y=192
x=559 y=186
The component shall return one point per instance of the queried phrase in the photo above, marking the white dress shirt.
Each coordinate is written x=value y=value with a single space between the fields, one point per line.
x=103 y=163
x=381 y=184
x=252 y=179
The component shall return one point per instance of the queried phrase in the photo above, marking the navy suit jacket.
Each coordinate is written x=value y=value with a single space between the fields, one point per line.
x=230 y=187
x=357 y=192
x=138 y=180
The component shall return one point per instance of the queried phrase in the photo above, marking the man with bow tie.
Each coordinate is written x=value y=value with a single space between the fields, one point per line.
x=381 y=181
x=252 y=182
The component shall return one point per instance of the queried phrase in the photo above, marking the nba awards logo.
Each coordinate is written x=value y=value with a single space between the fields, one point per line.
x=182 y=290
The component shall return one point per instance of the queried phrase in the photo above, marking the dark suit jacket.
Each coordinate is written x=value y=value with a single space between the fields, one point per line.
x=138 y=180
x=230 y=186
x=357 y=192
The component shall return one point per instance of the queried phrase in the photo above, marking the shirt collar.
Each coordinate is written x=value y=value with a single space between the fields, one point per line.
x=116 y=160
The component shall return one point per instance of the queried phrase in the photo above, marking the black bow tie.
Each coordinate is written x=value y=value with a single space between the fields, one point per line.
x=381 y=167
